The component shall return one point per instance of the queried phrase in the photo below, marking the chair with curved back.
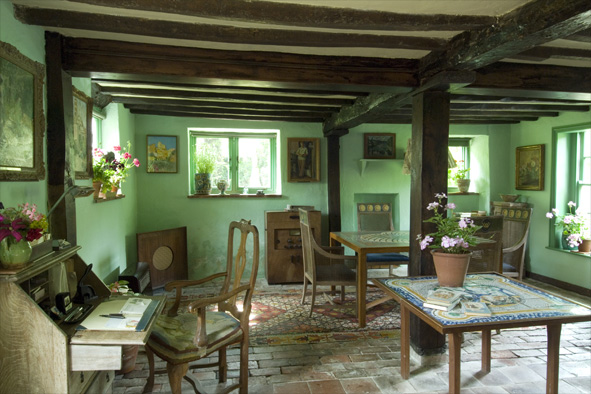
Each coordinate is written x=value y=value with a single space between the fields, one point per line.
x=323 y=268
x=516 y=221
x=378 y=217
x=180 y=337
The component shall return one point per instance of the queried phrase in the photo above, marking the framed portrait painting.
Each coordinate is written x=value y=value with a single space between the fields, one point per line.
x=379 y=146
x=529 y=167
x=82 y=139
x=161 y=154
x=303 y=160
x=22 y=123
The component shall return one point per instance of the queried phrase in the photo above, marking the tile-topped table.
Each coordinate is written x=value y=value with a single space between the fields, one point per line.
x=512 y=303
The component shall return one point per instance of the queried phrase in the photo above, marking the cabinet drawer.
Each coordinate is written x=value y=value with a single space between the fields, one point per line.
x=95 y=357
x=78 y=381
x=103 y=383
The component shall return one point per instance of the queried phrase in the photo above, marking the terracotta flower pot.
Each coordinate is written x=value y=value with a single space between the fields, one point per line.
x=585 y=246
x=97 y=189
x=451 y=268
x=463 y=185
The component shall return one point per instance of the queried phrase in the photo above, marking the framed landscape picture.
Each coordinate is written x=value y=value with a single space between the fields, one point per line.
x=82 y=134
x=161 y=154
x=22 y=123
x=379 y=146
x=303 y=161
x=529 y=167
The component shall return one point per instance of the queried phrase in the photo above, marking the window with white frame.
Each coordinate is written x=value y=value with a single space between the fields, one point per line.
x=97 y=129
x=571 y=172
x=244 y=158
x=460 y=150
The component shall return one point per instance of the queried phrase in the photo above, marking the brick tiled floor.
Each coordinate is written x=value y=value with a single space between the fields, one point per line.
x=373 y=366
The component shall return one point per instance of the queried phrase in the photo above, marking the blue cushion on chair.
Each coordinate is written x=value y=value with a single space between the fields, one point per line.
x=385 y=257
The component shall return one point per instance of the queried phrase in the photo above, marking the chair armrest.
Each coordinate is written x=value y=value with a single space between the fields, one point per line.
x=333 y=249
x=332 y=256
x=180 y=284
x=515 y=247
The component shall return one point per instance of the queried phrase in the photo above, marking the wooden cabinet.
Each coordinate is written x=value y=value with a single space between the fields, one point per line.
x=41 y=354
x=284 y=245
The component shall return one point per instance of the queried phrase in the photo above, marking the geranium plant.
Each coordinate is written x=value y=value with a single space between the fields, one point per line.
x=112 y=168
x=453 y=235
x=458 y=172
x=573 y=225
x=22 y=222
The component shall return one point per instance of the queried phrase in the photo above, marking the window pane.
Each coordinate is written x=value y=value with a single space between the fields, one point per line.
x=220 y=149
x=254 y=166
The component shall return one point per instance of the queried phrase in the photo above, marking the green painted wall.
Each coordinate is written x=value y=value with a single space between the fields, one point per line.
x=563 y=266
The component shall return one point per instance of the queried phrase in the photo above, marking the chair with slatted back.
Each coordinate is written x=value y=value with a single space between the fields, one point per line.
x=324 y=266
x=516 y=221
x=179 y=338
x=378 y=217
x=486 y=256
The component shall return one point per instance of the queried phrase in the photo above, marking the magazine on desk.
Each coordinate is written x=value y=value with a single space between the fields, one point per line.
x=120 y=314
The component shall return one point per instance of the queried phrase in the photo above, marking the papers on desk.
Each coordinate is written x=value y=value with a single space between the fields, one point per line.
x=131 y=322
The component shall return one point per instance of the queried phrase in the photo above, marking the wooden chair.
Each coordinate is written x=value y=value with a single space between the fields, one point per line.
x=322 y=268
x=180 y=338
x=486 y=257
x=516 y=223
x=378 y=217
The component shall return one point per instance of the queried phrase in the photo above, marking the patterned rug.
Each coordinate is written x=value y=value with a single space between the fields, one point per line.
x=278 y=318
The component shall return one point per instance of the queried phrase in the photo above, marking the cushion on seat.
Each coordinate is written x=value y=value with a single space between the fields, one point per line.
x=385 y=257
x=172 y=337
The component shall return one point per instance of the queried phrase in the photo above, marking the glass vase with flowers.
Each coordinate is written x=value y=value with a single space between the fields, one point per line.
x=18 y=227
x=450 y=243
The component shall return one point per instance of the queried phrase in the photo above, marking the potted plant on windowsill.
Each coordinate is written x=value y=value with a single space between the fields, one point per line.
x=575 y=233
x=460 y=175
x=204 y=165
x=112 y=168
x=450 y=242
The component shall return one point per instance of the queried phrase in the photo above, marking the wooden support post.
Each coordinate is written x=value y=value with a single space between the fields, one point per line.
x=62 y=222
x=334 y=183
x=430 y=136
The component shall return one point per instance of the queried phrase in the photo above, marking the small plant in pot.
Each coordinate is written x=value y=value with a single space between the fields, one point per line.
x=451 y=242
x=204 y=165
x=575 y=231
x=459 y=174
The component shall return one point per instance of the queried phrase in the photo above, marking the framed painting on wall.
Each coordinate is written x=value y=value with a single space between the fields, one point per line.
x=529 y=167
x=161 y=154
x=303 y=160
x=379 y=146
x=82 y=134
x=22 y=122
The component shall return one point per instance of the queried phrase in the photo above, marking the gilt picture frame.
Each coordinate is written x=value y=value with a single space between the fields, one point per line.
x=82 y=140
x=379 y=146
x=22 y=121
x=303 y=160
x=529 y=167
x=161 y=154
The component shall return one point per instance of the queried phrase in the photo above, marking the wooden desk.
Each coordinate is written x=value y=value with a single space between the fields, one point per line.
x=517 y=305
x=364 y=242
x=43 y=355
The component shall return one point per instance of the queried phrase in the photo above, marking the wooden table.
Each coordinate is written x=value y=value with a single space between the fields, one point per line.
x=364 y=242
x=513 y=304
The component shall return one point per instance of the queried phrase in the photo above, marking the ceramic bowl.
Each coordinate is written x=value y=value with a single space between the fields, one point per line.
x=509 y=197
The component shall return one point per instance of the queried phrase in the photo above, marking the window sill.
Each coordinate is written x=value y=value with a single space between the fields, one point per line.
x=234 y=196
x=462 y=194
x=118 y=197
x=571 y=252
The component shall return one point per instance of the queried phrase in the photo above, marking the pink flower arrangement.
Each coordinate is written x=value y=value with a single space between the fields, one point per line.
x=23 y=222
x=453 y=235
x=573 y=224
x=110 y=169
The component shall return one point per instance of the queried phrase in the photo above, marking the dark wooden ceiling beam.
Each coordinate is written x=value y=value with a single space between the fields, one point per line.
x=157 y=102
x=378 y=104
x=302 y=15
x=118 y=60
x=534 y=23
x=55 y=18
x=230 y=116
x=541 y=53
x=233 y=111
x=475 y=99
x=581 y=36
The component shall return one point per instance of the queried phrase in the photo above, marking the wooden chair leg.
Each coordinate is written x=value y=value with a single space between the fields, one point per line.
x=342 y=294
x=304 y=291
x=243 y=380
x=176 y=372
x=150 y=383
x=223 y=365
x=313 y=298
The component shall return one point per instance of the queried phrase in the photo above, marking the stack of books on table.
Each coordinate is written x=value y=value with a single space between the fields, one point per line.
x=475 y=308
x=444 y=299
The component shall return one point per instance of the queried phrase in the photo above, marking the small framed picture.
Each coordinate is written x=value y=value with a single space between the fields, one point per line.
x=161 y=154
x=303 y=162
x=379 y=146
x=529 y=167
x=82 y=134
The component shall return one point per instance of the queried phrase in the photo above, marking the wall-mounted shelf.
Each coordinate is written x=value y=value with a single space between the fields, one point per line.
x=363 y=163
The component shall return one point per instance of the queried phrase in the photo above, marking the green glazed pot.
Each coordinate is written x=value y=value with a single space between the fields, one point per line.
x=14 y=254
